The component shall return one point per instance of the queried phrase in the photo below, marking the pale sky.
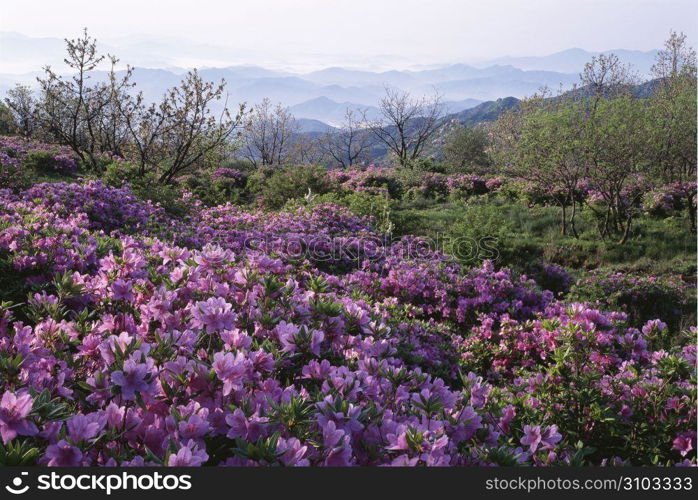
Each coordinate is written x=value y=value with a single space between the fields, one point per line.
x=418 y=30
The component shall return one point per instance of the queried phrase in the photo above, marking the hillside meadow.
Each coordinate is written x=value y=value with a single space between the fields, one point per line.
x=175 y=290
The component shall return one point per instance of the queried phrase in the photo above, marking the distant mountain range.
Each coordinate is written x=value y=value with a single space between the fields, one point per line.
x=334 y=113
x=491 y=110
x=573 y=60
x=322 y=95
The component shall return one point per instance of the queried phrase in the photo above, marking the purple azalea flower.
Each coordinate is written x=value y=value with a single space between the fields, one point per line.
x=63 y=454
x=532 y=437
x=535 y=437
x=195 y=427
x=121 y=290
x=188 y=456
x=13 y=416
x=231 y=369
x=214 y=314
x=84 y=427
x=685 y=442
x=132 y=379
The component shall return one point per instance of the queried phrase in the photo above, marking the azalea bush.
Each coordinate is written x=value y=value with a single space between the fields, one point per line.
x=641 y=297
x=308 y=336
x=37 y=156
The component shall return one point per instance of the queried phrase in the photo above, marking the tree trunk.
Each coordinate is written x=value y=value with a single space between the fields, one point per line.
x=626 y=231
x=691 y=213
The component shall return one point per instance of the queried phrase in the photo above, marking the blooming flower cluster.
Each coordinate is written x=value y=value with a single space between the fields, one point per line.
x=669 y=198
x=230 y=173
x=462 y=186
x=306 y=338
x=388 y=182
x=371 y=179
x=58 y=159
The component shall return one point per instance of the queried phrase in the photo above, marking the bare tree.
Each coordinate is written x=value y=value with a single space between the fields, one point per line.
x=307 y=150
x=348 y=145
x=112 y=129
x=606 y=76
x=268 y=134
x=22 y=102
x=406 y=124
x=71 y=110
x=177 y=134
x=675 y=60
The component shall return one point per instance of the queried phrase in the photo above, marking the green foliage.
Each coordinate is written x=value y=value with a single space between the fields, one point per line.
x=15 y=178
x=481 y=232
x=274 y=186
x=642 y=298
x=527 y=235
x=146 y=186
x=465 y=150
x=8 y=125
x=40 y=161
x=17 y=453
x=364 y=204
x=214 y=191
x=424 y=165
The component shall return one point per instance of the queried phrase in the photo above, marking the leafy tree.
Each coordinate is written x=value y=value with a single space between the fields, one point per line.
x=673 y=107
x=21 y=102
x=618 y=138
x=551 y=156
x=7 y=121
x=465 y=150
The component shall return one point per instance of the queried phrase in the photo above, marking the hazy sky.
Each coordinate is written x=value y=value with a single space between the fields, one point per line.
x=419 y=30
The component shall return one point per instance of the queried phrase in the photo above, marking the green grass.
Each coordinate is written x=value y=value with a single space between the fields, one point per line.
x=524 y=234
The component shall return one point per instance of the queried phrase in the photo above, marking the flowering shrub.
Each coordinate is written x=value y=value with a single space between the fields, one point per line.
x=230 y=173
x=37 y=155
x=305 y=338
x=669 y=198
x=641 y=297
x=12 y=175
x=396 y=183
x=433 y=186
x=551 y=277
x=372 y=179
x=463 y=186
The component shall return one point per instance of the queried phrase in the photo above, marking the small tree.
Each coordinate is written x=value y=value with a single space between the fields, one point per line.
x=673 y=110
x=176 y=134
x=505 y=133
x=466 y=150
x=22 y=103
x=307 y=149
x=619 y=139
x=72 y=110
x=551 y=156
x=268 y=134
x=8 y=125
x=605 y=76
x=349 y=144
x=406 y=124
